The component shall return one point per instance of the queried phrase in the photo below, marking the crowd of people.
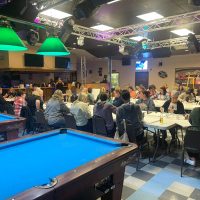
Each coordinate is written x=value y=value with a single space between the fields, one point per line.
x=118 y=102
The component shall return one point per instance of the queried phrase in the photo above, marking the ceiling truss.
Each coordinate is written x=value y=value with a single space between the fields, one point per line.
x=119 y=36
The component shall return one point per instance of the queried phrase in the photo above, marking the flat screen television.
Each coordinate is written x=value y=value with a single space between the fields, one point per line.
x=141 y=65
x=33 y=60
x=62 y=62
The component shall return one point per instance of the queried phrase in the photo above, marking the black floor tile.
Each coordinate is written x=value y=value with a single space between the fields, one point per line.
x=195 y=194
x=145 y=176
x=159 y=163
x=127 y=192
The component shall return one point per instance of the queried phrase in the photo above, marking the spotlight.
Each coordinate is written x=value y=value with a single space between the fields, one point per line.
x=193 y=43
x=80 y=40
x=66 y=30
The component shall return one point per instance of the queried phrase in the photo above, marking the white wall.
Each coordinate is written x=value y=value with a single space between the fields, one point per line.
x=127 y=73
x=169 y=66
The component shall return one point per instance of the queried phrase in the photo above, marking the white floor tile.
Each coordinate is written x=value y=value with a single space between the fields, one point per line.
x=182 y=189
x=133 y=182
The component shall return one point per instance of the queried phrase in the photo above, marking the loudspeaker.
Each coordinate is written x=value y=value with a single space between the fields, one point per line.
x=22 y=9
x=87 y=7
x=161 y=52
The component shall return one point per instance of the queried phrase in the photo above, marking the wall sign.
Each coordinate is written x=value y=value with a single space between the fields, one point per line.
x=162 y=74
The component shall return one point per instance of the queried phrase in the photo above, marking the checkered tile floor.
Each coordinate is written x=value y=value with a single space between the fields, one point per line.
x=161 y=180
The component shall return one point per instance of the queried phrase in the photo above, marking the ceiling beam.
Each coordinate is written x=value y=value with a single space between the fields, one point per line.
x=156 y=25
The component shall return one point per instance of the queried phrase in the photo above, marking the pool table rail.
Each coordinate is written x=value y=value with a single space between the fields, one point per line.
x=79 y=183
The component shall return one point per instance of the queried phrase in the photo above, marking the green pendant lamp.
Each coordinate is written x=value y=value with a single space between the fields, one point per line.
x=53 y=46
x=9 y=40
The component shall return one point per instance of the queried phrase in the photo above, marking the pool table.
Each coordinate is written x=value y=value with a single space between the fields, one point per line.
x=10 y=126
x=64 y=164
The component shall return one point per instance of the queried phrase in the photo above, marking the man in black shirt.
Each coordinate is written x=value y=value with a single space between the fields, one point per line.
x=132 y=114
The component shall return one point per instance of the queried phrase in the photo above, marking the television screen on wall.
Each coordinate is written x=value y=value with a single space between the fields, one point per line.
x=33 y=60
x=141 y=65
x=62 y=62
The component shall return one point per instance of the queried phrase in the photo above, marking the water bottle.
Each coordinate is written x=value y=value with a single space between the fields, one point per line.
x=161 y=118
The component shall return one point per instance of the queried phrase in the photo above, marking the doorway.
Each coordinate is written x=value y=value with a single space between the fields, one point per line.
x=142 y=78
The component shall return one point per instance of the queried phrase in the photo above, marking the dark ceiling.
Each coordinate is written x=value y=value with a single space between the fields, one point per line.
x=121 y=14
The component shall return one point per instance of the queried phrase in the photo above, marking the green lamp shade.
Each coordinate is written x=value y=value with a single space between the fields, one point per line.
x=10 y=41
x=53 y=46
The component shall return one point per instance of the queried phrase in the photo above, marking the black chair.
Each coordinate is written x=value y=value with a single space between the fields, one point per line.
x=70 y=121
x=40 y=124
x=137 y=136
x=26 y=113
x=191 y=143
x=99 y=126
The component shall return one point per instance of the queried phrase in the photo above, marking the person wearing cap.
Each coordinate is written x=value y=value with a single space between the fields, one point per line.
x=56 y=110
x=173 y=106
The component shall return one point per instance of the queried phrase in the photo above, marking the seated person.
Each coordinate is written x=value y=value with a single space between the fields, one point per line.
x=145 y=102
x=60 y=85
x=10 y=94
x=81 y=112
x=38 y=90
x=163 y=95
x=90 y=97
x=74 y=95
x=56 y=110
x=132 y=92
x=153 y=92
x=188 y=96
x=118 y=99
x=104 y=109
x=140 y=89
x=173 y=106
x=194 y=120
x=6 y=107
x=132 y=113
x=19 y=102
x=103 y=90
x=34 y=101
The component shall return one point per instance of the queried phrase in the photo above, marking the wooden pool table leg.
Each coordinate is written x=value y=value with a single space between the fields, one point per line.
x=118 y=179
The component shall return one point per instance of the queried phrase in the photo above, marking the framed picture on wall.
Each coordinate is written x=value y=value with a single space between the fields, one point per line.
x=184 y=76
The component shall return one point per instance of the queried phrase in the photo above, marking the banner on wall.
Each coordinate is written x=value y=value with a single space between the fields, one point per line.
x=183 y=75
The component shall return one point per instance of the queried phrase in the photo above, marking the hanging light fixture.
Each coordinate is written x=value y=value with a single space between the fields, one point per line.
x=53 y=46
x=9 y=40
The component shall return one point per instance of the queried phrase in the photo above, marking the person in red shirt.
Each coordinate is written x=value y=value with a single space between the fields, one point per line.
x=19 y=102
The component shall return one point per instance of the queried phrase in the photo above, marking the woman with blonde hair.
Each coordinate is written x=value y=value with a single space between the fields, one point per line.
x=81 y=112
x=56 y=110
